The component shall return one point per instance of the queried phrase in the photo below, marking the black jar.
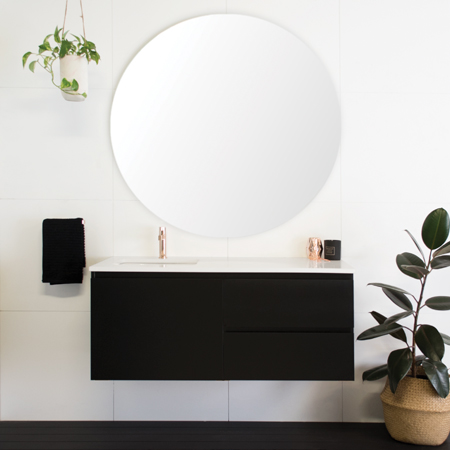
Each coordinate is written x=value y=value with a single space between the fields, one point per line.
x=332 y=250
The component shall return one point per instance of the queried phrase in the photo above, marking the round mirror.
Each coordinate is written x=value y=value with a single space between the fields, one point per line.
x=225 y=125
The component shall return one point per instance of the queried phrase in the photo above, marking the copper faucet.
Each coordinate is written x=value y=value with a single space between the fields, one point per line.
x=162 y=243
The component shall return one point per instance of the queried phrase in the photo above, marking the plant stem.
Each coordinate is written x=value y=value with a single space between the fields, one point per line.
x=416 y=318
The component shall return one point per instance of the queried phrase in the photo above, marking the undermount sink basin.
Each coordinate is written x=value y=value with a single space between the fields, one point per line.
x=145 y=261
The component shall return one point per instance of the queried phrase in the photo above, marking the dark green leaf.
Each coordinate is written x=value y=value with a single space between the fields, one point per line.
x=77 y=38
x=420 y=271
x=417 y=244
x=376 y=373
x=65 y=84
x=419 y=360
x=437 y=373
x=400 y=334
x=378 y=317
x=435 y=228
x=398 y=298
x=409 y=259
x=31 y=66
x=439 y=303
x=397 y=317
x=445 y=338
x=75 y=85
x=56 y=35
x=430 y=342
x=389 y=287
x=442 y=250
x=25 y=58
x=440 y=262
x=65 y=34
x=379 y=330
x=399 y=363
x=56 y=50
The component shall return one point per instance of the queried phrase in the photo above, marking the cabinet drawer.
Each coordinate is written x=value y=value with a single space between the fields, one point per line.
x=288 y=356
x=283 y=304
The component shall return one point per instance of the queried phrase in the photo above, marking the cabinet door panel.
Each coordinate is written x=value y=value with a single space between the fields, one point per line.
x=156 y=329
x=288 y=304
x=288 y=356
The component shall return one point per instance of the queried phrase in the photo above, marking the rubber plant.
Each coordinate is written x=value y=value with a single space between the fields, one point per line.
x=49 y=52
x=426 y=338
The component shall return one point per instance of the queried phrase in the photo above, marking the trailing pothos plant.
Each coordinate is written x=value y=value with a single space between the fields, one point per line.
x=48 y=53
x=406 y=360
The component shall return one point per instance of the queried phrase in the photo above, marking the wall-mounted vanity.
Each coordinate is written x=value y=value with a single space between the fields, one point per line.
x=221 y=319
x=224 y=126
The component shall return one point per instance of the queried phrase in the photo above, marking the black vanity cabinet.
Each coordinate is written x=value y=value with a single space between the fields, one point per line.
x=220 y=326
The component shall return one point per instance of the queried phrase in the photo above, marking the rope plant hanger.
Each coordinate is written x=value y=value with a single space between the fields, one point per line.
x=82 y=17
x=74 y=55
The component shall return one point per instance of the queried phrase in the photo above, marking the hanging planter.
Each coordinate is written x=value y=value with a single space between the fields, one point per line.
x=74 y=56
x=74 y=67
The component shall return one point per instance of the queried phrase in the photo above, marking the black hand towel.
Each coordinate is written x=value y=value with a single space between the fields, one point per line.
x=63 y=254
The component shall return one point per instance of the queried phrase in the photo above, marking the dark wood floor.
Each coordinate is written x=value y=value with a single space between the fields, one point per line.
x=199 y=435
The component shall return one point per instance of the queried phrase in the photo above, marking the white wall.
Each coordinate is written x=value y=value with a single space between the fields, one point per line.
x=390 y=62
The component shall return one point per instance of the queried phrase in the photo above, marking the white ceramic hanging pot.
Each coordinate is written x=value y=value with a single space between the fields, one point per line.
x=75 y=67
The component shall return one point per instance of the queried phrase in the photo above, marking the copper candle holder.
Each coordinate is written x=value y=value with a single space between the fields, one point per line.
x=314 y=249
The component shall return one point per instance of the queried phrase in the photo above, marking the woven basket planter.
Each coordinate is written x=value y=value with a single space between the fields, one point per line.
x=416 y=414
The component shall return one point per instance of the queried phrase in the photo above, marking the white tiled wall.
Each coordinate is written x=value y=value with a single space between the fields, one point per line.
x=390 y=63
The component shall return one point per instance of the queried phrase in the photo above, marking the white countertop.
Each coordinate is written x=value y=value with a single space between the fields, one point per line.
x=230 y=265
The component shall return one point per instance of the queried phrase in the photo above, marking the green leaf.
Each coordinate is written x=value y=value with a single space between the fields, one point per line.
x=379 y=330
x=442 y=250
x=90 y=45
x=44 y=47
x=445 y=338
x=65 y=84
x=31 y=66
x=84 y=94
x=376 y=373
x=389 y=287
x=409 y=259
x=420 y=271
x=65 y=47
x=95 y=56
x=440 y=262
x=435 y=229
x=65 y=34
x=25 y=58
x=397 y=317
x=75 y=85
x=437 y=373
x=440 y=303
x=398 y=298
x=399 y=363
x=417 y=244
x=430 y=342
x=77 y=38
x=56 y=35
x=400 y=334
x=46 y=39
